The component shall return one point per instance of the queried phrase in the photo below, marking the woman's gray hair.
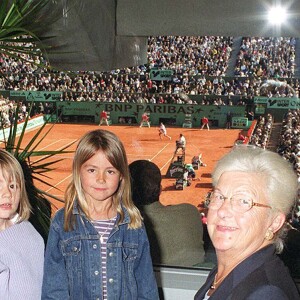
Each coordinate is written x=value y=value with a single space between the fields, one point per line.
x=281 y=180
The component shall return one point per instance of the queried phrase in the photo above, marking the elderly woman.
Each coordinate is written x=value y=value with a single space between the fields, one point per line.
x=254 y=190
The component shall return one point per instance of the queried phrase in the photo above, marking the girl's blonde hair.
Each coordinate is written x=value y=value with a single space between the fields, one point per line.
x=12 y=171
x=112 y=147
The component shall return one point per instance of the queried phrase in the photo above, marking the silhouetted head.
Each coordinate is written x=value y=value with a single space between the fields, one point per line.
x=145 y=182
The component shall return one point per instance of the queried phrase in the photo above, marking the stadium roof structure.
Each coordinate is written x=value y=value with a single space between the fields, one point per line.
x=206 y=17
x=103 y=35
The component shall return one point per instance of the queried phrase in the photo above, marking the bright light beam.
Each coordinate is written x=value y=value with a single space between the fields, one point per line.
x=277 y=15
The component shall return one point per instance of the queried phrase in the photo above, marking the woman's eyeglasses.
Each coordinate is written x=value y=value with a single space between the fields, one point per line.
x=240 y=203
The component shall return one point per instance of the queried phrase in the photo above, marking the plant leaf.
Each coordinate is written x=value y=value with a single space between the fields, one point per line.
x=35 y=171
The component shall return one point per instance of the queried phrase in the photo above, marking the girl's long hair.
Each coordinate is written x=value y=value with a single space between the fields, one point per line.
x=112 y=147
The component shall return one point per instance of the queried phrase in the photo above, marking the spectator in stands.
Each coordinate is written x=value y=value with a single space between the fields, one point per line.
x=41 y=108
x=262 y=131
x=23 y=110
x=205 y=123
x=173 y=230
x=250 y=115
x=254 y=191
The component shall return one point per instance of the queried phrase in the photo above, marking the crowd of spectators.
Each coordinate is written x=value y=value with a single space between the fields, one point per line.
x=188 y=55
x=289 y=144
x=289 y=148
x=262 y=132
x=9 y=107
x=266 y=57
x=200 y=66
x=93 y=86
x=6 y=111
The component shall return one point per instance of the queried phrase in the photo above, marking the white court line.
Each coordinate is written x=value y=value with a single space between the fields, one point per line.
x=53 y=150
x=59 y=147
x=50 y=144
x=166 y=163
x=45 y=146
x=59 y=183
x=65 y=157
x=195 y=147
x=160 y=151
x=140 y=155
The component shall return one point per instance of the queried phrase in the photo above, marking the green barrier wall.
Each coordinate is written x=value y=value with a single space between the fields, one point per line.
x=29 y=96
x=277 y=107
x=130 y=113
x=32 y=123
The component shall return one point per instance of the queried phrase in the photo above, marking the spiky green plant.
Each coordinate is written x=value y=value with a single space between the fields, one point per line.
x=22 y=27
x=22 y=24
x=35 y=170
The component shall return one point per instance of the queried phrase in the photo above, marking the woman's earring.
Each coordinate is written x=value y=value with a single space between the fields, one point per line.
x=269 y=235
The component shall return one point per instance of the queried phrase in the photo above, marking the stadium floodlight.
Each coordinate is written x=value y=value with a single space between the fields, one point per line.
x=277 y=15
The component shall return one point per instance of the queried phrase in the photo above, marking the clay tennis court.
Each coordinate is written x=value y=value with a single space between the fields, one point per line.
x=144 y=143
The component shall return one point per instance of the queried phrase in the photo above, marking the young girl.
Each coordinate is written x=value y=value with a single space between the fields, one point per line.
x=97 y=246
x=21 y=246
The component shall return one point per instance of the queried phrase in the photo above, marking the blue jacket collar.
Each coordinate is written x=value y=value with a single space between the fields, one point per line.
x=126 y=220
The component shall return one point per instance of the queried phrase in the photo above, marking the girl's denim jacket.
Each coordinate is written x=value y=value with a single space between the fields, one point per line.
x=73 y=263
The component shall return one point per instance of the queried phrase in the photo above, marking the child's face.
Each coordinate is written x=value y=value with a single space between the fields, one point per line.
x=99 y=179
x=9 y=198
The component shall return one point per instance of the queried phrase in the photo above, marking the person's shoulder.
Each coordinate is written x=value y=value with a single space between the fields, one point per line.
x=59 y=216
x=271 y=278
x=59 y=213
x=183 y=207
x=27 y=230
x=269 y=292
x=157 y=207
